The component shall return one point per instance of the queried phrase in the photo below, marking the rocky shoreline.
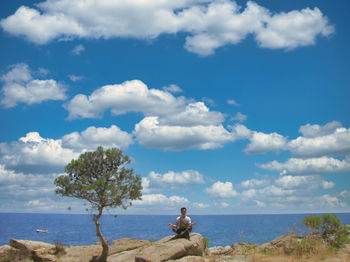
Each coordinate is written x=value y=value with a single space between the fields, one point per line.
x=166 y=249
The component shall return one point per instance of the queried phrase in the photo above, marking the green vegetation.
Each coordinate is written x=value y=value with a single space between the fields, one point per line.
x=101 y=178
x=59 y=248
x=312 y=223
x=206 y=242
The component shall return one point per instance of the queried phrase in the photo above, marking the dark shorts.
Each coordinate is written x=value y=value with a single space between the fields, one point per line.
x=182 y=233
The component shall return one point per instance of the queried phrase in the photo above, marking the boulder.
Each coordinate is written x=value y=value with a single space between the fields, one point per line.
x=35 y=250
x=169 y=248
x=219 y=250
x=125 y=244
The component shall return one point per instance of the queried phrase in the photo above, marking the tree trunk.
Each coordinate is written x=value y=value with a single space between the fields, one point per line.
x=104 y=254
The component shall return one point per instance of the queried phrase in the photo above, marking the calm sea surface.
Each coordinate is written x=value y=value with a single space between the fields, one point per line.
x=221 y=230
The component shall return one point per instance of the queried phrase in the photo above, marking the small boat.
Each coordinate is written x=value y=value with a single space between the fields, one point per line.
x=42 y=231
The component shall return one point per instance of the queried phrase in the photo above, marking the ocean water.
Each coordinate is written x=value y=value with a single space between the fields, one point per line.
x=71 y=229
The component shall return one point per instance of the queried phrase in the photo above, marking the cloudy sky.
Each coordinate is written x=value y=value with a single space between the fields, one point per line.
x=226 y=107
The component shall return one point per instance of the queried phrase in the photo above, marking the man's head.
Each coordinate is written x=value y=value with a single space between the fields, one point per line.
x=183 y=211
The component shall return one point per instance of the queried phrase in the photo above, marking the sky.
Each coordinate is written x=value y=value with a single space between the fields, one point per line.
x=225 y=107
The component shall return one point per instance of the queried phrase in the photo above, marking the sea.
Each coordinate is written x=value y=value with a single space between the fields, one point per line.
x=79 y=229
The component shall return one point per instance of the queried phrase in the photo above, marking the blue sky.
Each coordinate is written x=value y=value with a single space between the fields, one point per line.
x=226 y=107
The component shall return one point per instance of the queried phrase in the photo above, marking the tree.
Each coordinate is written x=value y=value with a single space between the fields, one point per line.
x=312 y=222
x=101 y=178
x=333 y=232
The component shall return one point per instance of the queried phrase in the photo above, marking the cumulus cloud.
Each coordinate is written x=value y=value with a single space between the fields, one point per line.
x=159 y=199
x=20 y=87
x=311 y=166
x=239 y=117
x=135 y=96
x=263 y=143
x=176 y=178
x=130 y=96
x=222 y=190
x=200 y=205
x=303 y=192
x=92 y=137
x=207 y=25
x=150 y=133
x=33 y=153
x=327 y=140
x=309 y=130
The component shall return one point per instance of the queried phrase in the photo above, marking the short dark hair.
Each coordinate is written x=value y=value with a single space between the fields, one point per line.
x=183 y=208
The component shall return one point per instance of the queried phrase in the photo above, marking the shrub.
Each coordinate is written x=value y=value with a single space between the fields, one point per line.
x=312 y=223
x=333 y=232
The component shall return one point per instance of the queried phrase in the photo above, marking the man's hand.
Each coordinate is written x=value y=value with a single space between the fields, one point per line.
x=171 y=225
x=194 y=223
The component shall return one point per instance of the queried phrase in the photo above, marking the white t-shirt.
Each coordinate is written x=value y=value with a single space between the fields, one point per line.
x=184 y=222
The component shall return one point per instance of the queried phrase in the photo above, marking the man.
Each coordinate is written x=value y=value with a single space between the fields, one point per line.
x=183 y=225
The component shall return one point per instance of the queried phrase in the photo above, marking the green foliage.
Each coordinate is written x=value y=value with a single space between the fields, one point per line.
x=312 y=222
x=333 y=232
x=206 y=242
x=101 y=178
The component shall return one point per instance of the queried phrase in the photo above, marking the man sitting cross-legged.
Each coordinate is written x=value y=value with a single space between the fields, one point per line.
x=183 y=225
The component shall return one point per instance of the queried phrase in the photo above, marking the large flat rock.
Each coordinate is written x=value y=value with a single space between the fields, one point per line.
x=169 y=248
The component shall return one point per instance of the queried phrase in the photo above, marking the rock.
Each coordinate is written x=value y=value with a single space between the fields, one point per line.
x=125 y=244
x=126 y=256
x=243 y=248
x=35 y=250
x=236 y=258
x=169 y=248
x=192 y=259
x=285 y=243
x=219 y=250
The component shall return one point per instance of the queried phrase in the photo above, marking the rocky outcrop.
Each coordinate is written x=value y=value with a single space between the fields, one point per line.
x=165 y=249
x=35 y=250
x=219 y=250
x=170 y=248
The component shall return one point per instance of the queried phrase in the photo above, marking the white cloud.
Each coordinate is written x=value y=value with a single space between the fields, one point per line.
x=176 y=178
x=327 y=185
x=239 y=117
x=20 y=87
x=329 y=201
x=78 y=49
x=33 y=153
x=207 y=24
x=310 y=166
x=263 y=143
x=232 y=102
x=251 y=183
x=273 y=190
x=200 y=205
x=222 y=190
x=130 y=96
x=250 y=193
x=150 y=133
x=322 y=141
x=293 y=29
x=172 y=89
x=92 y=137
x=159 y=199
x=309 y=130
x=75 y=78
